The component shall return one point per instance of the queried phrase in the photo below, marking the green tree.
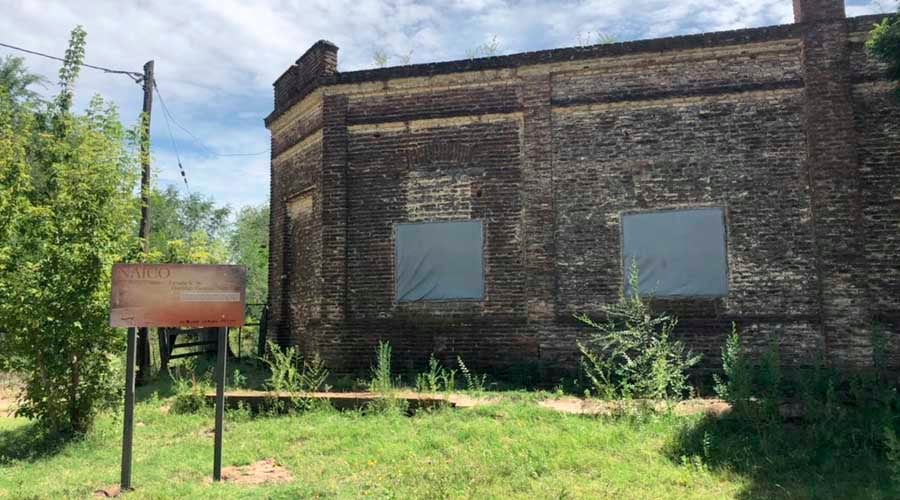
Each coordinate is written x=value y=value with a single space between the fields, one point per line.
x=248 y=245
x=15 y=125
x=884 y=45
x=177 y=217
x=196 y=249
x=61 y=235
x=16 y=80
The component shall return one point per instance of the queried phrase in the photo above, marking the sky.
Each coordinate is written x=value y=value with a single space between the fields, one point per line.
x=215 y=60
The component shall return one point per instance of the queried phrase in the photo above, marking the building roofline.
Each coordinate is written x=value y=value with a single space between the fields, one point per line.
x=548 y=56
x=566 y=54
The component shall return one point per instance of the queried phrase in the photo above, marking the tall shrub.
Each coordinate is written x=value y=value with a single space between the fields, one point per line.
x=631 y=352
x=68 y=210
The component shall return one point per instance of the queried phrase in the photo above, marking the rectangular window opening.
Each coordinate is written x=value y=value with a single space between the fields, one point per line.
x=439 y=261
x=679 y=253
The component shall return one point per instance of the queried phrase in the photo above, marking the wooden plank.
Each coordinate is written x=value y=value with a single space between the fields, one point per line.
x=339 y=400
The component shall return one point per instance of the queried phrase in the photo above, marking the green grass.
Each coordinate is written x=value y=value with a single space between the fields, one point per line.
x=509 y=450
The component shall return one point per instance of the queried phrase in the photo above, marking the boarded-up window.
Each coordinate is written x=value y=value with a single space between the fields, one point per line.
x=679 y=253
x=439 y=261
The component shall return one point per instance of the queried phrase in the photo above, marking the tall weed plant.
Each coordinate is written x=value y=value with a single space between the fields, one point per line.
x=474 y=382
x=296 y=376
x=291 y=372
x=857 y=411
x=436 y=379
x=631 y=352
x=189 y=387
x=382 y=383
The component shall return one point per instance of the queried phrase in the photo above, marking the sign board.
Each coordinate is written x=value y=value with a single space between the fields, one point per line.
x=177 y=295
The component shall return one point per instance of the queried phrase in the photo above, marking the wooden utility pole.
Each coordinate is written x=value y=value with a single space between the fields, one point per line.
x=143 y=347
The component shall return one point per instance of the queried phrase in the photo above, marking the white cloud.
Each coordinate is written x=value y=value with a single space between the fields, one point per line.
x=216 y=59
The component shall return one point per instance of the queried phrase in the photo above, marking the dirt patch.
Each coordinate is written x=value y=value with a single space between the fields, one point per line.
x=108 y=492
x=262 y=472
x=8 y=395
x=577 y=406
x=466 y=401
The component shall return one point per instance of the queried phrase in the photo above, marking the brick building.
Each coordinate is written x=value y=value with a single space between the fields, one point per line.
x=471 y=207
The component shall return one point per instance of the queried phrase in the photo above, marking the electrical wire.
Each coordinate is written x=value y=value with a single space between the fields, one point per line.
x=194 y=137
x=167 y=115
x=137 y=77
x=172 y=138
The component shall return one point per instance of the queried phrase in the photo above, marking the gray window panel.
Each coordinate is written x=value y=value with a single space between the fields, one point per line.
x=679 y=253
x=439 y=261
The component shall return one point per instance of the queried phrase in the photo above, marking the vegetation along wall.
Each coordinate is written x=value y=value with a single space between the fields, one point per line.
x=752 y=175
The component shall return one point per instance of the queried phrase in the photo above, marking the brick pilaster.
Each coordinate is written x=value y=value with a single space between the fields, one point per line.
x=537 y=193
x=334 y=224
x=834 y=177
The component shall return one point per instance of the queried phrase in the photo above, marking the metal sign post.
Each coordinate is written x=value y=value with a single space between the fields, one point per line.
x=175 y=295
x=128 y=426
x=220 y=402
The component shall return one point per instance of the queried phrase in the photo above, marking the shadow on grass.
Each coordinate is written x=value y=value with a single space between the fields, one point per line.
x=29 y=443
x=782 y=462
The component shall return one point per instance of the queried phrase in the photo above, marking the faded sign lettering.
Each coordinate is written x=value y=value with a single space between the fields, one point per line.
x=173 y=295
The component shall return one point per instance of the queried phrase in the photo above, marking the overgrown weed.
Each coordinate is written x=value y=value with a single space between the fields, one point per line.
x=631 y=352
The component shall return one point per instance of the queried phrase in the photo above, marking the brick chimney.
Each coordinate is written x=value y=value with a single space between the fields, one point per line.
x=317 y=62
x=806 y=11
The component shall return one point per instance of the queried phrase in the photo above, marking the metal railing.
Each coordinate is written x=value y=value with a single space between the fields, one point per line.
x=256 y=314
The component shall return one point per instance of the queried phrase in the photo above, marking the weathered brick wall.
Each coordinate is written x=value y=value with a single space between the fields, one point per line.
x=789 y=129
x=310 y=71
x=296 y=200
x=877 y=122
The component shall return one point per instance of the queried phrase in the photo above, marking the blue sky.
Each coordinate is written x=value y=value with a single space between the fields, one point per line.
x=216 y=59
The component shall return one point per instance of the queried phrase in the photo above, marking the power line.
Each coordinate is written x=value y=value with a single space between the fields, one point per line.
x=138 y=78
x=172 y=138
x=194 y=137
x=131 y=74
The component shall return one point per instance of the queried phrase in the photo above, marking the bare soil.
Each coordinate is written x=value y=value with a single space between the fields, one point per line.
x=262 y=472
x=108 y=492
x=9 y=390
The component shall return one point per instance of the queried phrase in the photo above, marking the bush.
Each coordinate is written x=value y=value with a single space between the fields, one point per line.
x=632 y=354
x=884 y=45
x=291 y=372
x=735 y=386
x=892 y=445
x=852 y=411
x=187 y=400
x=67 y=213
x=753 y=390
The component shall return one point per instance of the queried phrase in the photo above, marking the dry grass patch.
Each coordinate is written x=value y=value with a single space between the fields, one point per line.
x=262 y=472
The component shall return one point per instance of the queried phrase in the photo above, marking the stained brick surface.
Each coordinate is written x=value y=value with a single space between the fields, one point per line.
x=792 y=130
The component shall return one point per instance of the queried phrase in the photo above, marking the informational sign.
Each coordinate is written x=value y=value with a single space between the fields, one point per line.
x=177 y=295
